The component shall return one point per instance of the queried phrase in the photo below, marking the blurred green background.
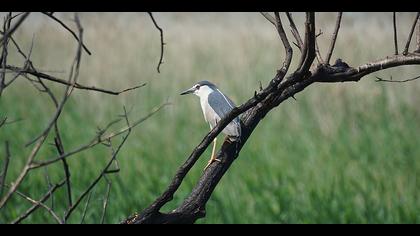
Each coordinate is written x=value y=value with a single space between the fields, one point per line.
x=341 y=153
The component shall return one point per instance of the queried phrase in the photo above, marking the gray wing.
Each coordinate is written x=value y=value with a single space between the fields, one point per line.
x=221 y=104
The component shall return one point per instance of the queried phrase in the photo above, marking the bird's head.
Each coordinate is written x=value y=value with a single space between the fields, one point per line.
x=201 y=88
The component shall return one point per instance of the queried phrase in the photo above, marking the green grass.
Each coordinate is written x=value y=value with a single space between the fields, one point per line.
x=341 y=153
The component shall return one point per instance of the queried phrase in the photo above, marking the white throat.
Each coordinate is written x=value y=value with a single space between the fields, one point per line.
x=203 y=92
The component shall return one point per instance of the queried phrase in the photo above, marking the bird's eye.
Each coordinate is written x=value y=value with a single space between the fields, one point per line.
x=197 y=86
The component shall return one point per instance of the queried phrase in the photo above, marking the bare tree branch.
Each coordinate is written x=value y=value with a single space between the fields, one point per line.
x=27 y=71
x=76 y=85
x=407 y=45
x=100 y=138
x=86 y=207
x=5 y=41
x=5 y=168
x=50 y=15
x=36 y=206
x=295 y=31
x=394 y=19
x=318 y=53
x=12 y=29
x=152 y=214
x=60 y=149
x=269 y=17
x=95 y=182
x=161 y=41
x=74 y=72
x=378 y=79
x=253 y=111
x=38 y=203
x=106 y=199
x=418 y=36
x=334 y=38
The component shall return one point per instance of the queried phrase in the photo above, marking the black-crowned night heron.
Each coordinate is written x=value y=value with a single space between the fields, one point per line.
x=215 y=106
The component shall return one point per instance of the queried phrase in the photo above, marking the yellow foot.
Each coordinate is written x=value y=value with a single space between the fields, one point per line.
x=213 y=159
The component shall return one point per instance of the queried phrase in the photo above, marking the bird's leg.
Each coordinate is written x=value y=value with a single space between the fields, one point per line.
x=213 y=157
x=227 y=139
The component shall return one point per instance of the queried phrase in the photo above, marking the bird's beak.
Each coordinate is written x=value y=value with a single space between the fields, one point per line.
x=188 y=91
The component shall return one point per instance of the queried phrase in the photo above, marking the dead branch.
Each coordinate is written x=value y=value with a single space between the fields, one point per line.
x=37 y=203
x=99 y=139
x=50 y=15
x=74 y=72
x=407 y=45
x=394 y=20
x=295 y=31
x=268 y=17
x=8 y=33
x=318 y=53
x=36 y=206
x=334 y=38
x=418 y=36
x=378 y=79
x=5 y=167
x=161 y=41
x=27 y=71
x=103 y=173
x=64 y=82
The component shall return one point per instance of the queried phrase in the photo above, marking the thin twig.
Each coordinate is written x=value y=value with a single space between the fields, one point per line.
x=12 y=29
x=106 y=199
x=318 y=53
x=96 y=140
x=269 y=17
x=74 y=73
x=394 y=20
x=47 y=178
x=295 y=31
x=4 y=43
x=418 y=36
x=161 y=41
x=101 y=175
x=60 y=149
x=378 y=79
x=36 y=206
x=407 y=45
x=33 y=72
x=5 y=168
x=334 y=38
x=39 y=203
x=50 y=15
x=86 y=207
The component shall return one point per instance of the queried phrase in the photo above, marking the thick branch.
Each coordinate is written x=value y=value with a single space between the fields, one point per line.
x=193 y=206
x=152 y=214
x=355 y=74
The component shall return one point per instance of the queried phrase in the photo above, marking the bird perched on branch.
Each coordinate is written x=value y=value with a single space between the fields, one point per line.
x=215 y=105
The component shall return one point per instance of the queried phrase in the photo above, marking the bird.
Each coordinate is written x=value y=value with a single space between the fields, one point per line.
x=215 y=105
